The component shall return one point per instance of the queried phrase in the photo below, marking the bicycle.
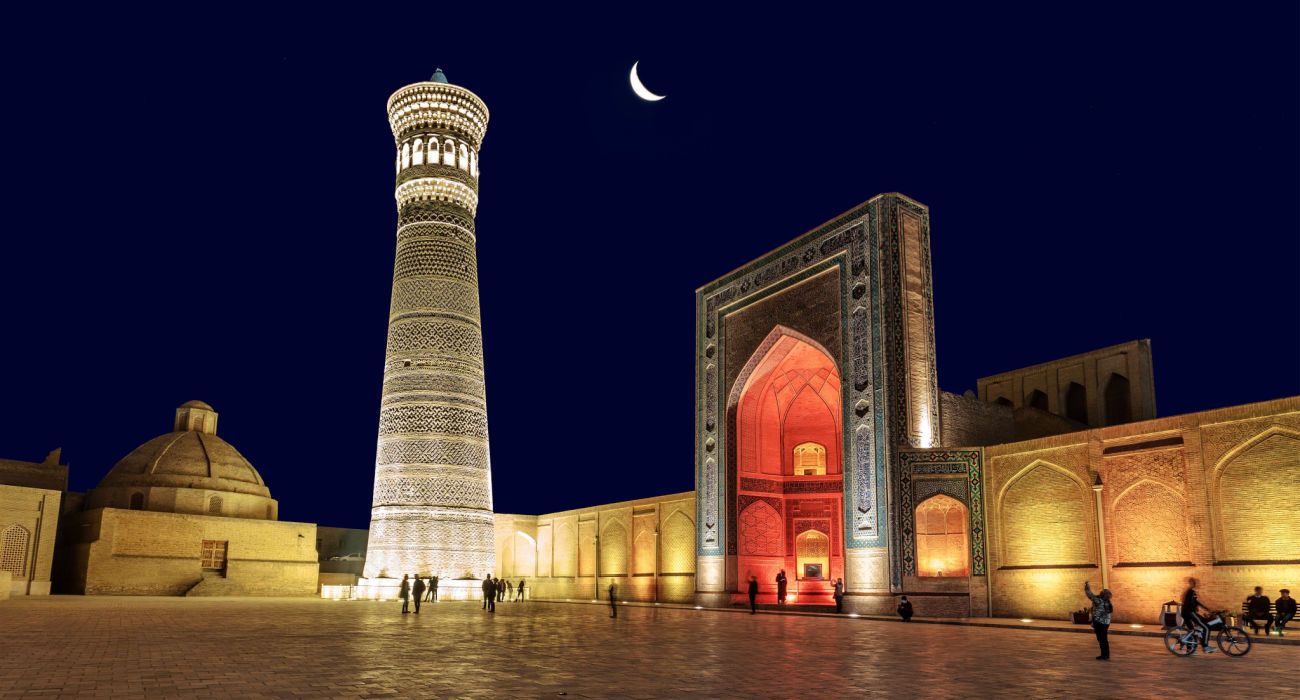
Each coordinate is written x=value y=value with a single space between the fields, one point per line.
x=1184 y=640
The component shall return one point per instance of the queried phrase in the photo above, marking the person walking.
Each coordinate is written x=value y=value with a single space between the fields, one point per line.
x=1191 y=618
x=505 y=588
x=489 y=594
x=405 y=593
x=433 y=588
x=613 y=602
x=839 y=595
x=753 y=595
x=1285 y=611
x=1257 y=609
x=519 y=592
x=905 y=609
x=780 y=587
x=1101 y=611
x=418 y=590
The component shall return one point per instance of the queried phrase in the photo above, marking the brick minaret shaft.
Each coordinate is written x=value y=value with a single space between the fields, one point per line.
x=432 y=507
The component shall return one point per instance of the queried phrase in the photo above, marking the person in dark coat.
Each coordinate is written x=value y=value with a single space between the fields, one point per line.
x=502 y=587
x=905 y=609
x=613 y=602
x=418 y=590
x=405 y=593
x=1101 y=612
x=519 y=594
x=839 y=595
x=1257 y=609
x=753 y=595
x=780 y=587
x=489 y=594
x=433 y=588
x=1191 y=616
x=1285 y=611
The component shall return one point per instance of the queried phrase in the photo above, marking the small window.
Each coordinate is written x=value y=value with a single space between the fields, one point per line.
x=1038 y=400
x=1004 y=401
x=214 y=505
x=137 y=501
x=213 y=555
x=809 y=459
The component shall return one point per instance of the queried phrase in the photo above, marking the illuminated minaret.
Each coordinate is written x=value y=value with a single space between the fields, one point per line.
x=432 y=506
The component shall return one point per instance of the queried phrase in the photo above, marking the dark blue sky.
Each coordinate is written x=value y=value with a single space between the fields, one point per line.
x=201 y=207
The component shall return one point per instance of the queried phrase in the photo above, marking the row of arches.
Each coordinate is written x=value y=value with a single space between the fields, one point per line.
x=1047 y=515
x=419 y=151
x=1116 y=401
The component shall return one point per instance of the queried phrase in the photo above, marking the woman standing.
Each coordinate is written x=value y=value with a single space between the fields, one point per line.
x=1101 y=610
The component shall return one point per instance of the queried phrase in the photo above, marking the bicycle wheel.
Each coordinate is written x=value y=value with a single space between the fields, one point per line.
x=1234 y=641
x=1180 y=641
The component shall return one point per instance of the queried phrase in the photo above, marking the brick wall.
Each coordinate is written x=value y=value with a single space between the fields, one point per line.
x=132 y=552
x=557 y=553
x=1206 y=494
x=28 y=526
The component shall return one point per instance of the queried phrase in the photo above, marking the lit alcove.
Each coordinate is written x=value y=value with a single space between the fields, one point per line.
x=809 y=459
x=813 y=549
x=942 y=547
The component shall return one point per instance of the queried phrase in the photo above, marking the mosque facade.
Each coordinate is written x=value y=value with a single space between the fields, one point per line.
x=825 y=449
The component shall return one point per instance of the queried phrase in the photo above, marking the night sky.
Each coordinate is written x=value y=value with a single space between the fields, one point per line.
x=200 y=207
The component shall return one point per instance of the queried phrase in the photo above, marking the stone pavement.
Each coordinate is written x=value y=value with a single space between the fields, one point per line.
x=178 y=647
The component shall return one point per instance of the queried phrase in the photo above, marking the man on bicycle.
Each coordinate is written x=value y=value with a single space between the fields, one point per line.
x=1190 y=605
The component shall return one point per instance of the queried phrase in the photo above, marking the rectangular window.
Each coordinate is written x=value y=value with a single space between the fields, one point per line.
x=214 y=554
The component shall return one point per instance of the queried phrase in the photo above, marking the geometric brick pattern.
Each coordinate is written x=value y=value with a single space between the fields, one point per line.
x=432 y=504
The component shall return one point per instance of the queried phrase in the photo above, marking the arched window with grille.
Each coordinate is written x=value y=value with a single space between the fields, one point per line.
x=448 y=153
x=942 y=546
x=14 y=542
x=809 y=459
x=214 y=505
x=417 y=152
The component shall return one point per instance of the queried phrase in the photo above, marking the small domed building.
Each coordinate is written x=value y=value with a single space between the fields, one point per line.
x=186 y=514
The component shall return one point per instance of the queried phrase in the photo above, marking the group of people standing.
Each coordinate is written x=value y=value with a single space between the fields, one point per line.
x=418 y=590
x=782 y=588
x=498 y=590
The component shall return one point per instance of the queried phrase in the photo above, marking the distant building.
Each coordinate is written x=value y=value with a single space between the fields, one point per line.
x=184 y=514
x=30 y=498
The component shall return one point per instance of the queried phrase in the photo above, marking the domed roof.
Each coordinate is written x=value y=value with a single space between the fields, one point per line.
x=188 y=458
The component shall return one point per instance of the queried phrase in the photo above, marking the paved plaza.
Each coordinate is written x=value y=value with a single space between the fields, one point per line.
x=65 y=646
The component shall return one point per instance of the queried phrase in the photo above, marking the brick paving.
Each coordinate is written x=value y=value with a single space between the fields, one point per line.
x=233 y=648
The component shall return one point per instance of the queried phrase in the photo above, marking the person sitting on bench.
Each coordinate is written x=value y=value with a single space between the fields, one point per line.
x=1257 y=609
x=1285 y=611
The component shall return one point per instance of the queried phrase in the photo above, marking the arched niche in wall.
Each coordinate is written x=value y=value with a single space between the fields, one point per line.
x=1149 y=524
x=942 y=537
x=1256 y=501
x=1045 y=517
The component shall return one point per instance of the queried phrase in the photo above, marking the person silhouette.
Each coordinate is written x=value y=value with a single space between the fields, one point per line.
x=489 y=594
x=905 y=609
x=780 y=587
x=418 y=591
x=613 y=603
x=405 y=593
x=753 y=595
x=839 y=595
x=519 y=594
x=433 y=588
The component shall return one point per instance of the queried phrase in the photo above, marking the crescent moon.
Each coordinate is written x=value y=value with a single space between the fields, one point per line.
x=640 y=89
